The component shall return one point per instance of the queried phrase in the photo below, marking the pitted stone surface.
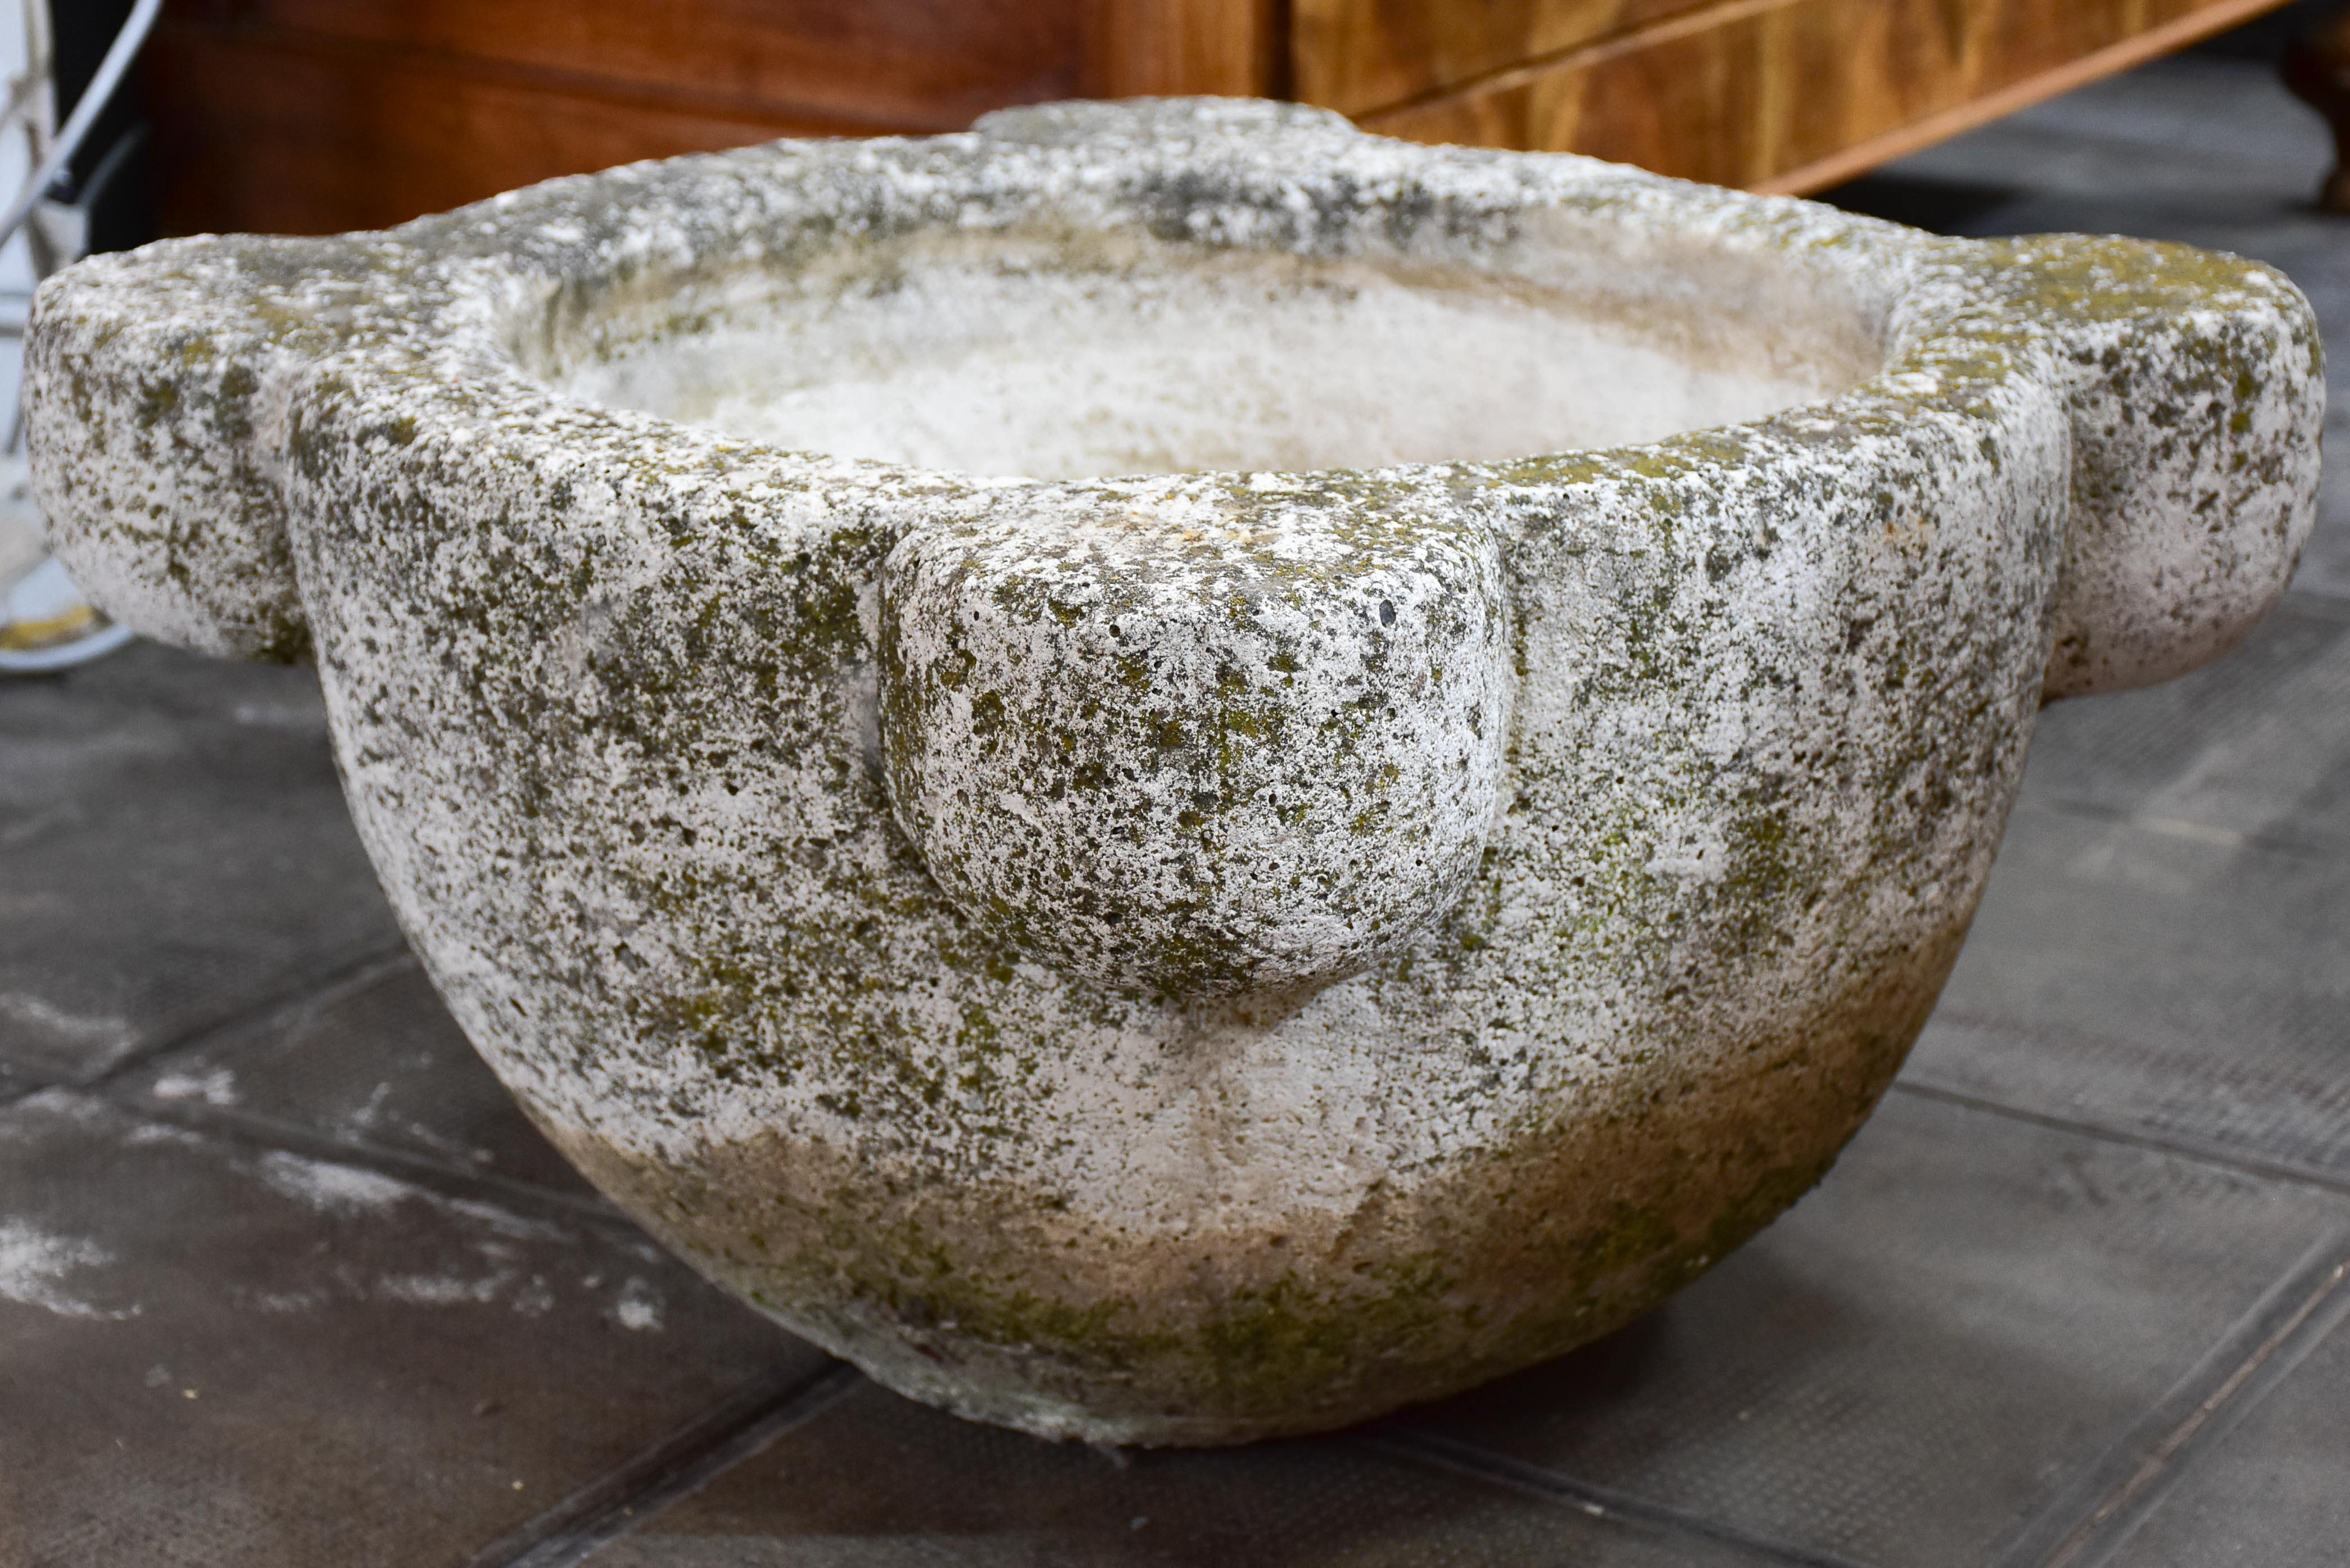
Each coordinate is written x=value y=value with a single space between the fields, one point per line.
x=1292 y=775
x=642 y=721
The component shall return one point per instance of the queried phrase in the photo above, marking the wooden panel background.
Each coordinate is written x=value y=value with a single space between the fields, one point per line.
x=1358 y=55
x=311 y=115
x=286 y=137
x=1796 y=94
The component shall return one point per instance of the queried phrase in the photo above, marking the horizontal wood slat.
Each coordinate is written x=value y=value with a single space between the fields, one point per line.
x=929 y=63
x=1796 y=94
x=1355 y=56
x=297 y=139
x=311 y=116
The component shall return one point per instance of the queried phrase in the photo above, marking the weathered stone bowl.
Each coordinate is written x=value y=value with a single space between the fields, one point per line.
x=1438 y=850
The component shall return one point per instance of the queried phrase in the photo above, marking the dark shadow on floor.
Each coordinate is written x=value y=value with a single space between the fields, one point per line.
x=1944 y=206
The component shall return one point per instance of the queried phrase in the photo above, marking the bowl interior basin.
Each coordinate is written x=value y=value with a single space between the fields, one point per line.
x=1061 y=355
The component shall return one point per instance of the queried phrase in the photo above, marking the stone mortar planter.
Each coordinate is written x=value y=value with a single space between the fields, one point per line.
x=1445 y=847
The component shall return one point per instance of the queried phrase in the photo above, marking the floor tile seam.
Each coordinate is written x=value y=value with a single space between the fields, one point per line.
x=273 y=1136
x=295 y=1138
x=2042 y=1034
x=1589 y=1498
x=14 y=1094
x=2323 y=602
x=2216 y=835
x=633 y=1495
x=2195 y=1443
x=2236 y=1161
x=633 y=1474
x=614 y=1491
x=2089 y=1520
x=2037 y=123
x=362 y=969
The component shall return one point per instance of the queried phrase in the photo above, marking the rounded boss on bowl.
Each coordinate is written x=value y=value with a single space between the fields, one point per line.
x=1168 y=773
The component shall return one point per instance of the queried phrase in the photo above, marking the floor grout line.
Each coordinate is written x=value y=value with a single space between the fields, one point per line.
x=734 y=1430
x=22 y=1083
x=603 y=1512
x=246 y=1126
x=293 y=1138
x=2089 y=1520
x=2321 y=1313
x=2321 y=601
x=2184 y=827
x=2201 y=1152
x=1589 y=1498
x=353 y=973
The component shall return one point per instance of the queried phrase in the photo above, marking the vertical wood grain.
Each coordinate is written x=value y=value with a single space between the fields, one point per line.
x=1145 y=48
x=1358 y=55
x=312 y=116
x=1795 y=94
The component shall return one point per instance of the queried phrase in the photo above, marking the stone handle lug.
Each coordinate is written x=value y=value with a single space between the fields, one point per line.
x=157 y=409
x=2196 y=385
x=1198 y=758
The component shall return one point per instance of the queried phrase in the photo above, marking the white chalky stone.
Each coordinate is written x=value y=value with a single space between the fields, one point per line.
x=1169 y=773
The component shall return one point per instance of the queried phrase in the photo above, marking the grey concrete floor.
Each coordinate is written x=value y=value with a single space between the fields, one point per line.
x=284 y=1279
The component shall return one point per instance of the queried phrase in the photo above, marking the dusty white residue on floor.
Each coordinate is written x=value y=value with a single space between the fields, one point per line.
x=640 y=1307
x=216 y=1087
x=334 y=1189
x=109 y=1033
x=284 y=1301
x=32 y=1263
x=440 y=1290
